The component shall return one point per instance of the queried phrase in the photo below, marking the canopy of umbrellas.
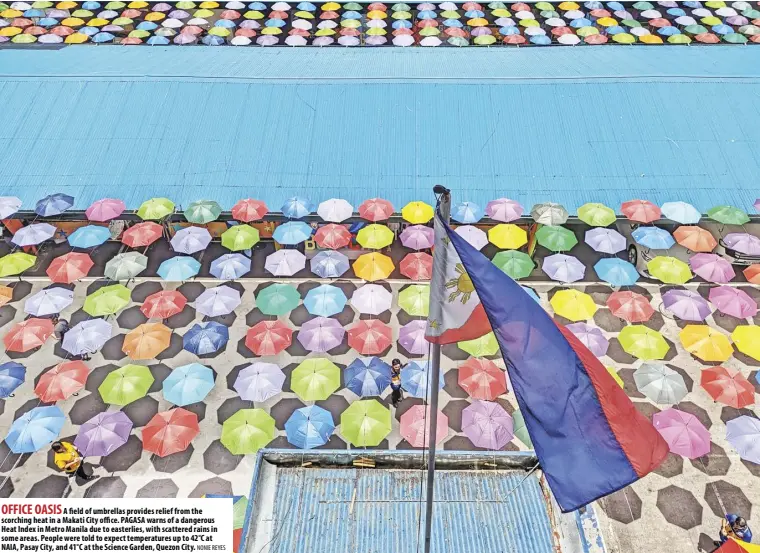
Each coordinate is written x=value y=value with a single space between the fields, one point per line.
x=376 y=24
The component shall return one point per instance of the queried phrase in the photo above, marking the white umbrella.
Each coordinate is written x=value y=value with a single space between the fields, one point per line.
x=191 y=240
x=474 y=236
x=285 y=262
x=48 y=302
x=8 y=206
x=214 y=302
x=660 y=383
x=681 y=212
x=744 y=434
x=87 y=337
x=335 y=210
x=125 y=266
x=33 y=234
x=549 y=214
x=259 y=381
x=372 y=299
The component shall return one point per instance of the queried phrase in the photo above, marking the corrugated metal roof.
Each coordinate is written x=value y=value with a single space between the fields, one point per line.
x=568 y=125
x=317 y=511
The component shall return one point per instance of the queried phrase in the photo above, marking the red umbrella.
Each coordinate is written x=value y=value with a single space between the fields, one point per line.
x=753 y=272
x=28 y=334
x=370 y=337
x=164 y=304
x=630 y=306
x=707 y=38
x=69 y=267
x=595 y=39
x=332 y=236
x=376 y=209
x=417 y=266
x=414 y=426
x=268 y=338
x=482 y=379
x=728 y=386
x=170 y=432
x=514 y=39
x=599 y=13
x=62 y=381
x=142 y=234
x=641 y=211
x=249 y=210
x=659 y=22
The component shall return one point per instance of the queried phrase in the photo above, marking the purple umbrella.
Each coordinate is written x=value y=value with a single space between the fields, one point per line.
x=712 y=267
x=259 y=381
x=686 y=305
x=683 y=432
x=563 y=268
x=743 y=242
x=757 y=204
x=744 y=434
x=504 y=210
x=733 y=301
x=474 y=236
x=591 y=337
x=605 y=240
x=218 y=301
x=103 y=433
x=191 y=240
x=321 y=334
x=487 y=425
x=411 y=336
x=417 y=237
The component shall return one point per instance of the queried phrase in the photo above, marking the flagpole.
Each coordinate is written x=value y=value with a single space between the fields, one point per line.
x=444 y=208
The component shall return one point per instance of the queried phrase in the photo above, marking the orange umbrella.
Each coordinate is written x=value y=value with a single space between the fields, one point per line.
x=695 y=238
x=370 y=337
x=753 y=274
x=28 y=334
x=62 y=381
x=6 y=295
x=417 y=266
x=630 y=306
x=164 y=304
x=142 y=234
x=268 y=338
x=69 y=267
x=147 y=340
x=728 y=386
x=170 y=432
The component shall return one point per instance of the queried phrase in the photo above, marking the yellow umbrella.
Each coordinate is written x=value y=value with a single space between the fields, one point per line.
x=669 y=270
x=253 y=14
x=501 y=12
x=351 y=23
x=76 y=38
x=72 y=22
x=138 y=5
x=324 y=32
x=16 y=263
x=573 y=305
x=507 y=236
x=706 y=343
x=417 y=213
x=10 y=31
x=97 y=22
x=477 y=22
x=66 y=5
x=10 y=13
x=209 y=5
x=615 y=376
x=375 y=236
x=304 y=15
x=643 y=342
x=568 y=6
x=330 y=7
x=373 y=266
x=377 y=14
x=203 y=13
x=529 y=23
x=747 y=340
x=220 y=31
x=606 y=22
x=155 y=16
x=147 y=340
x=650 y=39
x=271 y=31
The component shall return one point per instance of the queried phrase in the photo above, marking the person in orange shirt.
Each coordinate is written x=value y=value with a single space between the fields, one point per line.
x=69 y=460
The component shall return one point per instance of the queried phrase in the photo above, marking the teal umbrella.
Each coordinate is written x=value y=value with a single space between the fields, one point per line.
x=203 y=211
x=278 y=299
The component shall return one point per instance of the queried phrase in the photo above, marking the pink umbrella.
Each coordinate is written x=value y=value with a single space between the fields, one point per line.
x=487 y=425
x=411 y=337
x=105 y=210
x=504 y=210
x=414 y=426
x=712 y=267
x=686 y=305
x=733 y=301
x=321 y=334
x=417 y=237
x=743 y=242
x=683 y=432
x=591 y=337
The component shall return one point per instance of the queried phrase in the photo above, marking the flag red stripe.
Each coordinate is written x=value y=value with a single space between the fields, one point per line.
x=475 y=326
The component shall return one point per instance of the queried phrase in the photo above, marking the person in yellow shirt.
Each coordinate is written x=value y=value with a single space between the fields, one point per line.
x=69 y=460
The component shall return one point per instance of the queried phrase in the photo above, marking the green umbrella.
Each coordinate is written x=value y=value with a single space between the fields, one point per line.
x=114 y=5
x=125 y=385
x=240 y=237
x=543 y=6
x=751 y=14
x=728 y=215
x=516 y=264
x=24 y=39
x=484 y=40
x=315 y=379
x=631 y=23
x=624 y=38
x=642 y=6
x=155 y=208
x=596 y=215
x=125 y=266
x=548 y=14
x=457 y=41
x=16 y=263
x=123 y=21
x=481 y=347
x=247 y=431
x=503 y=6
x=203 y=211
x=735 y=38
x=353 y=6
x=587 y=31
x=679 y=39
x=415 y=300
x=365 y=423
x=107 y=301
x=749 y=30
x=450 y=14
x=695 y=29
x=278 y=299
x=556 y=239
x=520 y=430
x=400 y=7
x=430 y=31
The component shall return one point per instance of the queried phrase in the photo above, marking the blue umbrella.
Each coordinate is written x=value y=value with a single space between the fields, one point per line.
x=89 y=236
x=257 y=6
x=540 y=40
x=351 y=15
x=89 y=31
x=532 y=293
x=179 y=268
x=329 y=264
x=12 y=375
x=147 y=26
x=593 y=5
x=722 y=29
x=676 y=12
x=325 y=300
x=35 y=429
x=414 y=379
x=616 y=272
x=654 y=238
x=309 y=427
x=681 y=212
x=306 y=7
x=157 y=41
x=91 y=5
x=103 y=37
x=212 y=40
x=615 y=30
x=292 y=232
x=188 y=384
x=55 y=204
x=230 y=266
x=467 y=213
x=225 y=24
x=33 y=12
x=506 y=31
x=367 y=376
x=447 y=23
x=426 y=14
x=472 y=14
x=47 y=22
x=203 y=338
x=297 y=207
x=668 y=31
x=692 y=5
x=616 y=6
x=581 y=22
x=275 y=23
x=404 y=24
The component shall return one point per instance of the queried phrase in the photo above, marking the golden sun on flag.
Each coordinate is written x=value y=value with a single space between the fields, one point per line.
x=463 y=285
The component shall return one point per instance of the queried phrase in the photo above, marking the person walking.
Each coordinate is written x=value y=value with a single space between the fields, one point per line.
x=396 y=392
x=70 y=460
x=61 y=328
x=734 y=526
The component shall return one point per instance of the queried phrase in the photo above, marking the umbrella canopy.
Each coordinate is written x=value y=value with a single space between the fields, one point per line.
x=259 y=382
x=669 y=270
x=630 y=306
x=563 y=268
x=285 y=262
x=573 y=305
x=12 y=376
x=329 y=264
x=87 y=337
x=556 y=239
x=54 y=204
x=415 y=300
x=681 y=212
x=487 y=425
x=188 y=384
x=247 y=431
x=375 y=236
x=507 y=236
x=35 y=429
x=9 y=205
x=474 y=236
x=414 y=426
x=191 y=240
x=418 y=265
x=240 y=237
x=654 y=238
x=728 y=215
x=412 y=337
x=695 y=238
x=417 y=213
x=466 y=213
x=376 y=209
x=605 y=240
x=660 y=383
x=278 y=299
x=315 y=379
x=35 y=233
x=728 y=386
x=365 y=423
x=743 y=433
x=752 y=273
x=105 y=210
x=706 y=343
x=89 y=236
x=370 y=337
x=219 y=301
x=146 y=341
x=249 y=210
x=203 y=211
x=107 y=300
x=641 y=211
x=747 y=340
x=309 y=427
x=414 y=379
x=416 y=237
x=591 y=337
x=335 y=210
x=292 y=232
x=69 y=267
x=61 y=382
x=371 y=299
x=643 y=343
x=230 y=266
x=268 y=337
x=683 y=432
x=297 y=207
x=332 y=236
x=179 y=268
x=170 y=432
x=6 y=294
x=142 y=234
x=125 y=385
x=103 y=433
x=367 y=376
x=163 y=304
x=28 y=335
x=480 y=347
x=125 y=266
x=373 y=266
x=155 y=209
x=549 y=214
x=504 y=210
x=733 y=301
x=482 y=379
x=596 y=215
x=325 y=300
x=712 y=268
x=205 y=338
x=16 y=263
x=686 y=305
x=743 y=242
x=515 y=264
x=49 y=301
x=321 y=334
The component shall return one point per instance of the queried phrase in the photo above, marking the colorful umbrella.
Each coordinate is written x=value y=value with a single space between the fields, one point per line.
x=743 y=243
x=163 y=304
x=179 y=268
x=247 y=431
x=653 y=237
x=375 y=236
x=417 y=266
x=416 y=237
x=630 y=306
x=474 y=236
x=205 y=338
x=549 y=214
x=712 y=267
x=146 y=341
x=487 y=425
x=296 y=207
x=285 y=262
x=268 y=337
x=728 y=386
x=591 y=337
x=414 y=426
x=681 y=212
x=155 y=209
x=596 y=215
x=507 y=236
x=125 y=266
x=376 y=209
x=28 y=335
x=278 y=299
x=370 y=337
x=466 y=213
x=87 y=337
x=480 y=347
x=191 y=240
x=203 y=211
x=188 y=384
x=371 y=299
x=415 y=300
x=170 y=432
x=412 y=337
x=414 y=379
x=743 y=433
x=417 y=213
x=705 y=343
x=36 y=233
x=217 y=302
x=556 y=239
x=733 y=301
x=16 y=263
x=752 y=274
x=105 y=210
x=249 y=210
x=373 y=266
x=69 y=267
x=321 y=334
x=230 y=266
x=240 y=237
x=54 y=204
x=49 y=301
x=728 y=215
x=259 y=382
x=61 y=382
x=514 y=263
x=573 y=305
x=482 y=379
x=335 y=210
x=9 y=205
x=643 y=343
x=309 y=427
x=504 y=210
x=325 y=300
x=660 y=383
x=641 y=211
x=563 y=268
x=747 y=340
x=89 y=236
x=669 y=270
x=35 y=429
x=103 y=433
x=683 y=432
x=695 y=239
x=6 y=294
x=125 y=385
x=292 y=232
x=12 y=376
x=605 y=240
x=329 y=264
x=315 y=379
x=107 y=300
x=142 y=234
x=367 y=376
x=332 y=236
x=686 y=305
x=365 y=423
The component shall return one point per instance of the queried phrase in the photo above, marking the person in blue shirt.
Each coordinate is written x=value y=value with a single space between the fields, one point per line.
x=734 y=526
x=396 y=394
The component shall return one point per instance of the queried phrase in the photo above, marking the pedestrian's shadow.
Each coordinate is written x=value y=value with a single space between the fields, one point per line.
x=706 y=543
